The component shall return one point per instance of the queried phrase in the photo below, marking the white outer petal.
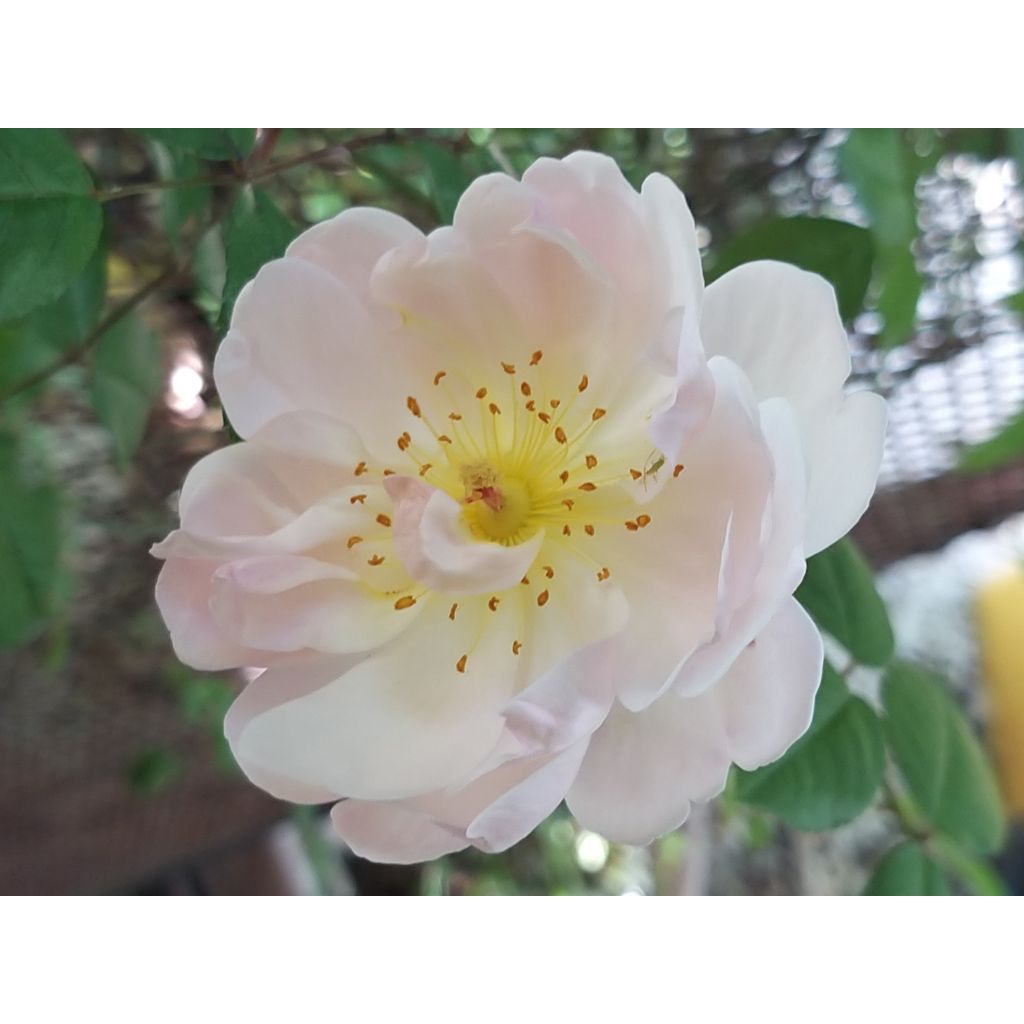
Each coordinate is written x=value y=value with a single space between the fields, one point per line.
x=782 y=325
x=291 y=603
x=643 y=769
x=394 y=723
x=492 y=813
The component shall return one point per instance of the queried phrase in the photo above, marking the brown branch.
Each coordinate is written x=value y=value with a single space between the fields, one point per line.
x=118 y=313
x=74 y=354
x=251 y=173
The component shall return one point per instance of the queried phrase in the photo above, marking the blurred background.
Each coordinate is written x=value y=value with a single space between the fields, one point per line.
x=114 y=777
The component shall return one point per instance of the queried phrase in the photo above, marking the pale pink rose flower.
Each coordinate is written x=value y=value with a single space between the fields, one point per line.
x=519 y=514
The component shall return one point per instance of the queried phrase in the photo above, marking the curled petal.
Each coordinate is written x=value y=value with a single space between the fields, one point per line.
x=183 y=597
x=492 y=813
x=782 y=326
x=438 y=550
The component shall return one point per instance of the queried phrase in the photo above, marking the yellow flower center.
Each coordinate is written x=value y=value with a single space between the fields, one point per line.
x=497 y=507
x=522 y=457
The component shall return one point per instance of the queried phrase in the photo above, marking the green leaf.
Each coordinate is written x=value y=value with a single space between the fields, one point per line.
x=875 y=162
x=1015 y=302
x=210 y=143
x=127 y=375
x=30 y=544
x=842 y=253
x=977 y=877
x=1004 y=447
x=154 y=770
x=181 y=208
x=1016 y=147
x=447 y=178
x=29 y=344
x=257 y=232
x=906 y=870
x=49 y=221
x=839 y=593
x=831 y=773
x=940 y=759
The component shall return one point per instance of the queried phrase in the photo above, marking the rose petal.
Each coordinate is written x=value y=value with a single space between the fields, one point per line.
x=643 y=769
x=782 y=325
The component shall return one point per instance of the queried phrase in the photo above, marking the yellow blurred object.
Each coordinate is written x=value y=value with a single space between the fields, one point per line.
x=1000 y=618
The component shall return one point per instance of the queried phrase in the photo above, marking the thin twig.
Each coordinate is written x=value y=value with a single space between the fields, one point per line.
x=72 y=355
x=118 y=313
x=251 y=173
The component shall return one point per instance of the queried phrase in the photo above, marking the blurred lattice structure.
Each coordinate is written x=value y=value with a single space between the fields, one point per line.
x=82 y=709
x=960 y=377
